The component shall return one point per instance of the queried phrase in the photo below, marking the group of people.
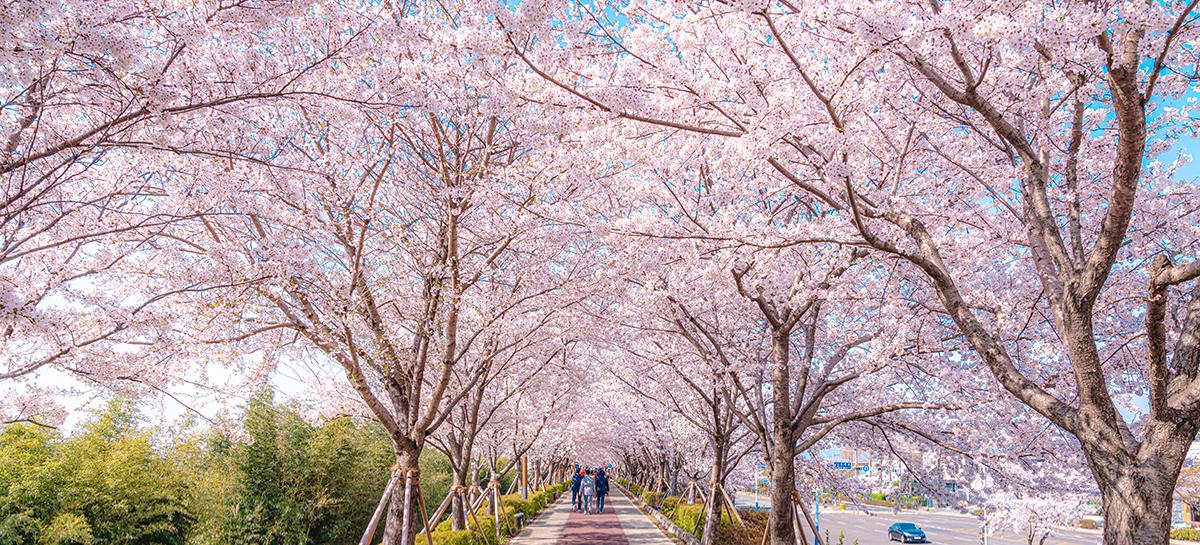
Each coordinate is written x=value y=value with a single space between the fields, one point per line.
x=588 y=489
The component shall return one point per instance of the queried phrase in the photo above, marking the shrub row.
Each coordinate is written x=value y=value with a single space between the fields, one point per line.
x=653 y=499
x=632 y=487
x=485 y=532
x=1187 y=534
x=688 y=516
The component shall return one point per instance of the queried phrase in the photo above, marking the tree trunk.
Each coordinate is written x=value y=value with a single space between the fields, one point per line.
x=458 y=505
x=1137 y=490
x=1136 y=512
x=783 y=453
x=674 y=491
x=783 y=483
x=1133 y=517
x=406 y=456
x=712 y=515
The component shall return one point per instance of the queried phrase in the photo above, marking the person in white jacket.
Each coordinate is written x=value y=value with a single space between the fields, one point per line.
x=587 y=489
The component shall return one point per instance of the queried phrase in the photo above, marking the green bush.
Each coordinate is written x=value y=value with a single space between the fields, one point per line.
x=632 y=487
x=653 y=498
x=453 y=537
x=1088 y=524
x=1187 y=534
x=485 y=533
x=690 y=516
x=513 y=504
x=670 y=503
x=540 y=501
x=486 y=527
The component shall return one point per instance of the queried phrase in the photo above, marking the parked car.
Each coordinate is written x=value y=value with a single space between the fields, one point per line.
x=906 y=532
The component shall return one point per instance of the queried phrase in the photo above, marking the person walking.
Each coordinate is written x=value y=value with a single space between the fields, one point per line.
x=587 y=489
x=575 y=480
x=601 y=489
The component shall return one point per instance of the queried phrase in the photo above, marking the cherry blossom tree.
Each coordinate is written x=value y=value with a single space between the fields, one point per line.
x=753 y=332
x=1016 y=155
x=504 y=412
x=87 y=88
x=1036 y=517
x=392 y=237
x=672 y=376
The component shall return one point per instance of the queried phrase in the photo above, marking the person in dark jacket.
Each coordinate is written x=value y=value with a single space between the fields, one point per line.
x=601 y=489
x=575 y=480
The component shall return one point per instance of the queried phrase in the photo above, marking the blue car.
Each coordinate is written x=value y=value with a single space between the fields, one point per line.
x=906 y=532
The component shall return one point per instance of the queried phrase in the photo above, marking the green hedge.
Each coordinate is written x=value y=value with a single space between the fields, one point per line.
x=456 y=537
x=1187 y=534
x=485 y=534
x=653 y=498
x=632 y=487
x=690 y=516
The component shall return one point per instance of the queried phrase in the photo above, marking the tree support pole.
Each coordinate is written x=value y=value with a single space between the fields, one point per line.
x=407 y=503
x=379 y=510
x=525 y=477
x=804 y=509
x=424 y=512
x=732 y=508
x=441 y=510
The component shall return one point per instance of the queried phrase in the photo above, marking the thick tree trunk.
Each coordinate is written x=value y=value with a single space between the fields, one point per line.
x=783 y=453
x=783 y=483
x=1137 y=491
x=408 y=456
x=1135 y=514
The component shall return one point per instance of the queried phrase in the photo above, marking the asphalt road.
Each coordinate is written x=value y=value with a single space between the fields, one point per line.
x=941 y=529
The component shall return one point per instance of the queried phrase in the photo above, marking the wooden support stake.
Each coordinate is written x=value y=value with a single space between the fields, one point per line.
x=478 y=501
x=494 y=486
x=804 y=509
x=441 y=510
x=378 y=515
x=703 y=510
x=503 y=511
x=732 y=508
x=797 y=527
x=424 y=513
x=525 y=477
x=478 y=528
x=407 y=503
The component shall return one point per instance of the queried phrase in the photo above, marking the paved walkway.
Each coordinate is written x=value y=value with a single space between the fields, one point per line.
x=621 y=523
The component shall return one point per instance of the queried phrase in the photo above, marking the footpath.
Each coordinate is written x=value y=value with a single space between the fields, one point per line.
x=621 y=523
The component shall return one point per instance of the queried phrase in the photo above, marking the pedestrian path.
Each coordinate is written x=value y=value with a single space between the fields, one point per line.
x=621 y=523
